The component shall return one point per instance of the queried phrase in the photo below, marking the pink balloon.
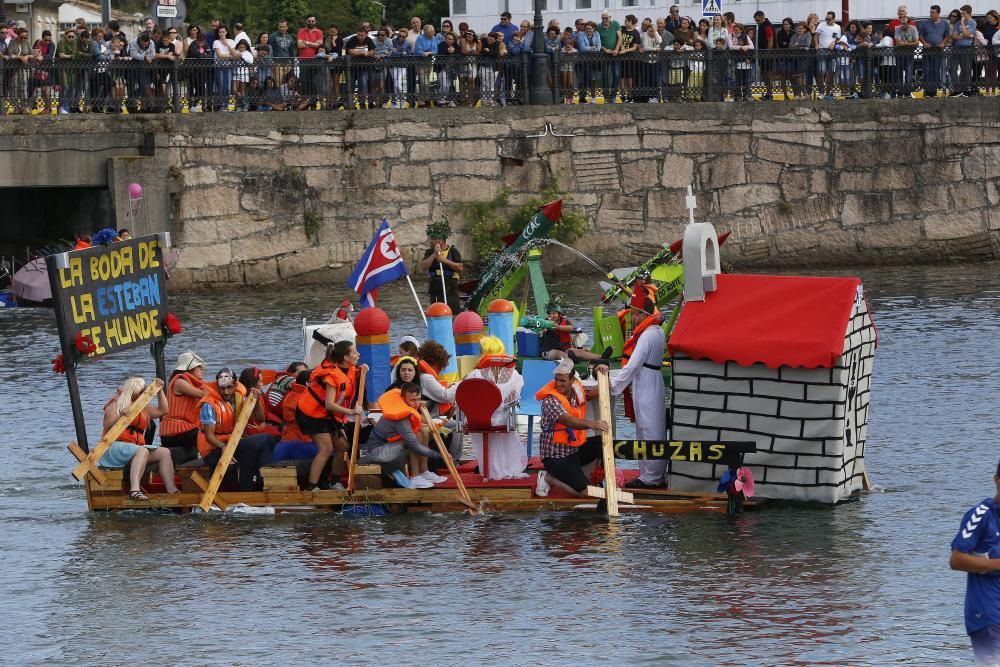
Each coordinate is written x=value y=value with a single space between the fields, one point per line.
x=134 y=190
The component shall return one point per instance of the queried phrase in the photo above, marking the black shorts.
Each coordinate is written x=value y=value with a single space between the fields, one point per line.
x=569 y=469
x=313 y=425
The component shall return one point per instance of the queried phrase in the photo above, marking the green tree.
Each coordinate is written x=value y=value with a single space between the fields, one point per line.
x=259 y=15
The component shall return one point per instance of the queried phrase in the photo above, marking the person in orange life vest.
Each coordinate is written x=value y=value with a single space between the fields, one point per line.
x=438 y=395
x=294 y=444
x=399 y=436
x=218 y=413
x=563 y=444
x=642 y=286
x=278 y=388
x=251 y=378
x=179 y=428
x=324 y=409
x=641 y=380
x=130 y=447
x=508 y=456
x=557 y=343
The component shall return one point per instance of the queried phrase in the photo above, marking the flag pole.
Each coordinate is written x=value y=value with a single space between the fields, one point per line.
x=416 y=298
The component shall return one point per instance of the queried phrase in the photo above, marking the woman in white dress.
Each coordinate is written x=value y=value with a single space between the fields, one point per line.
x=508 y=456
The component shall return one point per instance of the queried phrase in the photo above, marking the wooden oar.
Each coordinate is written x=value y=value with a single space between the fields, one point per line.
x=608 y=445
x=353 y=461
x=89 y=463
x=463 y=492
x=228 y=451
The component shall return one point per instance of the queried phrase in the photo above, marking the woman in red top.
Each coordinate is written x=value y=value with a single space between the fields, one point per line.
x=130 y=447
x=323 y=410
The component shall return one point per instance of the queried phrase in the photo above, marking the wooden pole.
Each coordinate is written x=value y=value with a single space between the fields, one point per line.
x=228 y=451
x=68 y=351
x=353 y=462
x=463 y=492
x=608 y=445
x=90 y=462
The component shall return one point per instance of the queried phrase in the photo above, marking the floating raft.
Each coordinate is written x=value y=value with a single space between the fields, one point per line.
x=282 y=492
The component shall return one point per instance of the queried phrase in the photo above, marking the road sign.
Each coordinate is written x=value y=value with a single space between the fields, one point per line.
x=711 y=7
x=166 y=12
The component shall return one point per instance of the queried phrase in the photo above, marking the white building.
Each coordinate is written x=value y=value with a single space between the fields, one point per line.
x=785 y=361
x=484 y=14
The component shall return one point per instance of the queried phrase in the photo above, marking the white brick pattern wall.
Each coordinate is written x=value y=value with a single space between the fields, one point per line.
x=810 y=425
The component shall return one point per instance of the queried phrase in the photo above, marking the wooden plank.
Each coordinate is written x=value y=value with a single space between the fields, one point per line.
x=352 y=462
x=598 y=492
x=608 y=445
x=228 y=451
x=462 y=491
x=866 y=483
x=203 y=485
x=368 y=469
x=89 y=464
x=81 y=456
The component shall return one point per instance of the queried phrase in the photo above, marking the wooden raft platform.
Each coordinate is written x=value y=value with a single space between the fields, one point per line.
x=282 y=492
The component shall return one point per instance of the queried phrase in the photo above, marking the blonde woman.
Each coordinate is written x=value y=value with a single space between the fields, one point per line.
x=508 y=456
x=131 y=447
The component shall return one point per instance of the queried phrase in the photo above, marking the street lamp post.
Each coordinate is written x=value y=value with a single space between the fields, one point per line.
x=383 y=9
x=541 y=92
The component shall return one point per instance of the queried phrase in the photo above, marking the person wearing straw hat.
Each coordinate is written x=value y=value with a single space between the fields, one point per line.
x=443 y=264
x=641 y=377
x=185 y=388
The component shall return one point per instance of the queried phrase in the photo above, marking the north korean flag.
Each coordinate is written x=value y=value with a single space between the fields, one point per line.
x=381 y=263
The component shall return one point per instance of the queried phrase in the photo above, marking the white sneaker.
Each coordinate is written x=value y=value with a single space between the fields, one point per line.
x=541 y=486
x=433 y=477
x=337 y=487
x=421 y=483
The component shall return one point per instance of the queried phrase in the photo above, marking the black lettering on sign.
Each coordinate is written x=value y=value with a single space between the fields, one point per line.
x=681 y=450
x=115 y=294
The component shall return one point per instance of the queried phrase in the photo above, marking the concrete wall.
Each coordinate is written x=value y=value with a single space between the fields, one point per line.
x=821 y=184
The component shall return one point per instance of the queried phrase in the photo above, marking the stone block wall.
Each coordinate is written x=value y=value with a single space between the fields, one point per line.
x=259 y=198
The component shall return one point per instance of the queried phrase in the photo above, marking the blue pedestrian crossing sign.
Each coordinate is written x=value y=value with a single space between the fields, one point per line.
x=711 y=7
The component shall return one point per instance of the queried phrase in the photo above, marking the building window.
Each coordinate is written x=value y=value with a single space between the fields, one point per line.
x=583 y=4
x=630 y=3
x=458 y=7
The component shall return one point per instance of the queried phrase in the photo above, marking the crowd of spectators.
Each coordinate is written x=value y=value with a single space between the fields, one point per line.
x=224 y=68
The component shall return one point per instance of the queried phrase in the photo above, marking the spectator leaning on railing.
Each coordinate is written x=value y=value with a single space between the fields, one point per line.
x=651 y=58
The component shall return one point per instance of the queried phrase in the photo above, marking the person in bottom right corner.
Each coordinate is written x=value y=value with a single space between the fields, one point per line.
x=976 y=550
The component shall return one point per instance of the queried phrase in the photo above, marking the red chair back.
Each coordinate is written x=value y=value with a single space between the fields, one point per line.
x=478 y=399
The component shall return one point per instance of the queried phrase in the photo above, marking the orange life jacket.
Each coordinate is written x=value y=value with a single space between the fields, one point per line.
x=225 y=419
x=182 y=413
x=426 y=368
x=291 y=430
x=136 y=431
x=496 y=361
x=627 y=351
x=630 y=344
x=328 y=374
x=394 y=408
x=562 y=434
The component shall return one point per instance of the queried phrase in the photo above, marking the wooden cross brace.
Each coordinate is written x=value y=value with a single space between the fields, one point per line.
x=611 y=493
x=88 y=462
x=352 y=462
x=228 y=452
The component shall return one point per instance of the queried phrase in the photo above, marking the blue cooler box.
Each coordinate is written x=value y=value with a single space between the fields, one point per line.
x=529 y=344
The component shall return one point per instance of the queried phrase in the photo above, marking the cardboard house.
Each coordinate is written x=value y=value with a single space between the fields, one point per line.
x=785 y=361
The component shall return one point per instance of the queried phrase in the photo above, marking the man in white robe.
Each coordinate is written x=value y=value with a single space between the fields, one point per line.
x=643 y=374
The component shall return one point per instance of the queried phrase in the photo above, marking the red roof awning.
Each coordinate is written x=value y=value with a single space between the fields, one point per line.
x=791 y=321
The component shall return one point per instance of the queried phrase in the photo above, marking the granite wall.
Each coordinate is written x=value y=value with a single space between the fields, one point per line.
x=290 y=197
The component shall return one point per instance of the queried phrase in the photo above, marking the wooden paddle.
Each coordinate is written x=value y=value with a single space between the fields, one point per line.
x=353 y=461
x=228 y=451
x=89 y=463
x=463 y=492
